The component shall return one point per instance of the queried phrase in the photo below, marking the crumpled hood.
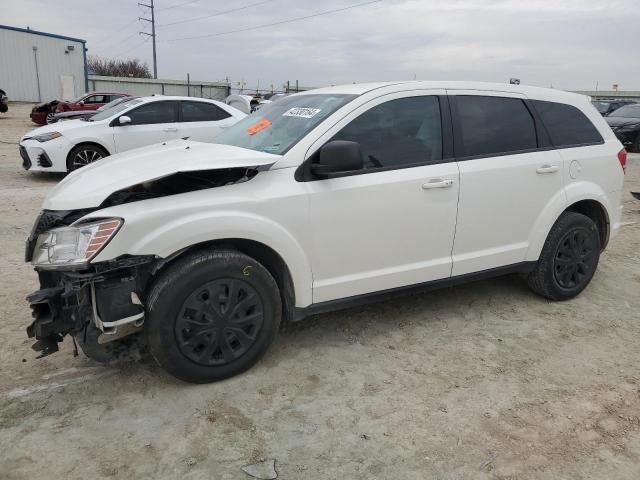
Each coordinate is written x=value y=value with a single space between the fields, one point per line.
x=89 y=186
x=621 y=121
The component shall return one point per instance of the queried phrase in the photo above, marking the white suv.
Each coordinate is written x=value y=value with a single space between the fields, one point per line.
x=133 y=123
x=322 y=200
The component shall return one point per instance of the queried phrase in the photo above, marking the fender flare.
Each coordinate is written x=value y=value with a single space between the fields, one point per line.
x=184 y=232
x=559 y=203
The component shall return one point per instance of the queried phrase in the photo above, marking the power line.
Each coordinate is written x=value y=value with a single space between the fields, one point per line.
x=129 y=49
x=215 y=14
x=176 y=6
x=326 y=12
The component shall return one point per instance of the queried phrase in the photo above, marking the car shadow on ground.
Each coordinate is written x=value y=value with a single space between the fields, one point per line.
x=44 y=177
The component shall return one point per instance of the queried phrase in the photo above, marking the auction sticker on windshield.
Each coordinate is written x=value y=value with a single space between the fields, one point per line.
x=302 y=112
x=259 y=126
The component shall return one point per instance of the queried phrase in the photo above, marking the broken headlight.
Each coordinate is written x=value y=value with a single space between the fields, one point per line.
x=75 y=245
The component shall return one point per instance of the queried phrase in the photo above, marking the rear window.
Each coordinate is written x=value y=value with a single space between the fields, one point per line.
x=567 y=126
x=494 y=125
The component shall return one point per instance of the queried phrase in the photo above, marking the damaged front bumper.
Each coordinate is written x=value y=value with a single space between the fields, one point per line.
x=109 y=295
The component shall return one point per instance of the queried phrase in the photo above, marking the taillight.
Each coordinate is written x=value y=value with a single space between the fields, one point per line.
x=622 y=158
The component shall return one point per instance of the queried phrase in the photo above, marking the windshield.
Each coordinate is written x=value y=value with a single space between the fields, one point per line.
x=112 y=103
x=628 y=111
x=278 y=126
x=114 y=109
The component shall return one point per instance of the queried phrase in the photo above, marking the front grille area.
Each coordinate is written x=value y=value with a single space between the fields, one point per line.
x=26 y=161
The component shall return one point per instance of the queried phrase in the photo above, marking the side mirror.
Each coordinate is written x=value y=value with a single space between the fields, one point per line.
x=81 y=102
x=338 y=156
x=124 y=120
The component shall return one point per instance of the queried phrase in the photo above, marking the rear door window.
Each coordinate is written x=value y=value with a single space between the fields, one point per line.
x=567 y=126
x=202 y=112
x=492 y=126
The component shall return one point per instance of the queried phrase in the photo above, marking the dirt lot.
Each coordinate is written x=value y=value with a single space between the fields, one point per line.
x=481 y=381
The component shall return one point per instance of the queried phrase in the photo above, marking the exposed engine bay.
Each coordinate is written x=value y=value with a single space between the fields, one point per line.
x=179 y=182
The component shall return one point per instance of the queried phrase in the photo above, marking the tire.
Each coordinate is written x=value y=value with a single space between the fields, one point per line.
x=50 y=118
x=183 y=326
x=569 y=258
x=636 y=144
x=83 y=155
x=125 y=350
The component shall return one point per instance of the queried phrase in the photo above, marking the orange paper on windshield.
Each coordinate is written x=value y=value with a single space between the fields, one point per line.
x=257 y=127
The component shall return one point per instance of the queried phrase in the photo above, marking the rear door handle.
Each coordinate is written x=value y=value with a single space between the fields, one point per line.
x=437 y=183
x=548 y=169
x=170 y=129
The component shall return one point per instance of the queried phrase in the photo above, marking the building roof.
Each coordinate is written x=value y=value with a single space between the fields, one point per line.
x=44 y=34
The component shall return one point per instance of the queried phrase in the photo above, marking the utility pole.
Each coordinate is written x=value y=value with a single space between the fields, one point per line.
x=152 y=21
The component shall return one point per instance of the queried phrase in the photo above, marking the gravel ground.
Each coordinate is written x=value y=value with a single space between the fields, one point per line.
x=482 y=381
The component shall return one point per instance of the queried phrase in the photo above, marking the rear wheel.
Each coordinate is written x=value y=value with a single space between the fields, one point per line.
x=569 y=258
x=212 y=315
x=83 y=155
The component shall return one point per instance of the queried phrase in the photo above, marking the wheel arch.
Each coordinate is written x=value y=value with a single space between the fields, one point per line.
x=596 y=212
x=580 y=198
x=88 y=143
x=262 y=253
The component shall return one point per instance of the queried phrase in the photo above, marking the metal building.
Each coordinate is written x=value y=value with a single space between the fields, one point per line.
x=40 y=67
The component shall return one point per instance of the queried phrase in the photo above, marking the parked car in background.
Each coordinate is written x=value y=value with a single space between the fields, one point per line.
x=250 y=103
x=83 y=114
x=4 y=101
x=43 y=113
x=625 y=123
x=605 y=107
x=67 y=146
x=318 y=201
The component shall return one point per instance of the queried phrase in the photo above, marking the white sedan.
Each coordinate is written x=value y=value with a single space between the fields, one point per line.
x=67 y=146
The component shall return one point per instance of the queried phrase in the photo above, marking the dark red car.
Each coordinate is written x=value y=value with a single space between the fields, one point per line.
x=43 y=112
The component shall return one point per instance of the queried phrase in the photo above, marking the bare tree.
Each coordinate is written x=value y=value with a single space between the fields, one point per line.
x=111 y=67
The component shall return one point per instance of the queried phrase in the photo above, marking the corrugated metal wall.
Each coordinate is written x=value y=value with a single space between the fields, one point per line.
x=149 y=86
x=18 y=69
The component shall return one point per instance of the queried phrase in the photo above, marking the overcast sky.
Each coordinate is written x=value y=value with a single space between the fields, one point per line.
x=570 y=44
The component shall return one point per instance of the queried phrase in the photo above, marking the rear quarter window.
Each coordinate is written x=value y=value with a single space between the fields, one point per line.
x=567 y=125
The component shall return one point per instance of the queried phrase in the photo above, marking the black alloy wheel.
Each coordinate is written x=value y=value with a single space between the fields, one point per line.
x=211 y=314
x=574 y=258
x=569 y=258
x=219 y=322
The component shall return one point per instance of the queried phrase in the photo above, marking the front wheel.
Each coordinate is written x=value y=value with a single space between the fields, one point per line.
x=569 y=258
x=212 y=315
x=50 y=118
x=83 y=155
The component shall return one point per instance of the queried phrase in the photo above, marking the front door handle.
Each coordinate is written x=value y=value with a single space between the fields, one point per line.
x=437 y=183
x=170 y=129
x=548 y=169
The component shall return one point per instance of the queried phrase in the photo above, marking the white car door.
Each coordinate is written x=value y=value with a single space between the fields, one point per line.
x=151 y=123
x=202 y=121
x=391 y=224
x=507 y=178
